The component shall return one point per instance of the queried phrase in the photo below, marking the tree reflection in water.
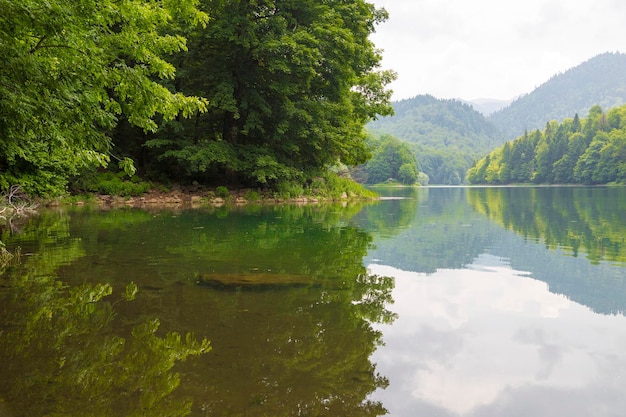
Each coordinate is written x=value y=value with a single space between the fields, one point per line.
x=295 y=349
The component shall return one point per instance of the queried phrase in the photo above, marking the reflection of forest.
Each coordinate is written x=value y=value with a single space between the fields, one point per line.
x=276 y=350
x=64 y=352
x=570 y=221
x=432 y=228
x=450 y=227
x=601 y=287
x=588 y=220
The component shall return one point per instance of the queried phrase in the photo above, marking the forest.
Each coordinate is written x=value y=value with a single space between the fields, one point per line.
x=575 y=151
x=243 y=93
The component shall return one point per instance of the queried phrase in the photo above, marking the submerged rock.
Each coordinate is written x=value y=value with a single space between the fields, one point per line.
x=252 y=280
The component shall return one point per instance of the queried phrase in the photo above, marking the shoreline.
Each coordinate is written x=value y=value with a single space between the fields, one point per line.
x=196 y=199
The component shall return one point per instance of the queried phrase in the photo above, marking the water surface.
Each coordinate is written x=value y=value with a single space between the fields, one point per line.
x=444 y=302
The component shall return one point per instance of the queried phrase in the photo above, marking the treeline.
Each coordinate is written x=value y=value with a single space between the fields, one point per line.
x=220 y=92
x=575 y=151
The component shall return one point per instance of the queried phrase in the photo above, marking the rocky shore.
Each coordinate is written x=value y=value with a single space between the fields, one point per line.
x=181 y=197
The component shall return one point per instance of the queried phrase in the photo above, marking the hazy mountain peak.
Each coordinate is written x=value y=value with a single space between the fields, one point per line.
x=487 y=106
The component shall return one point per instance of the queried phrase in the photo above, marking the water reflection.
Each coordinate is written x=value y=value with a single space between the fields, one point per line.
x=535 y=228
x=497 y=308
x=583 y=228
x=490 y=341
x=438 y=230
x=498 y=303
x=63 y=352
x=589 y=220
x=296 y=340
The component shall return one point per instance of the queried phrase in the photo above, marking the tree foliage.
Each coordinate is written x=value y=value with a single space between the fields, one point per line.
x=71 y=69
x=392 y=159
x=290 y=86
x=286 y=89
x=589 y=151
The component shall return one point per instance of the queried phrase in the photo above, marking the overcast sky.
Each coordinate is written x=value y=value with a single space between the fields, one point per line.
x=492 y=48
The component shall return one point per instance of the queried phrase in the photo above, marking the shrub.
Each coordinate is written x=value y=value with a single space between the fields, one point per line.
x=114 y=184
x=289 y=189
x=336 y=186
x=222 y=192
x=252 y=195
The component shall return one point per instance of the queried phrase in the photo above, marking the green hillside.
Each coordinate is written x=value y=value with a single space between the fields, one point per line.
x=600 y=80
x=447 y=135
x=431 y=122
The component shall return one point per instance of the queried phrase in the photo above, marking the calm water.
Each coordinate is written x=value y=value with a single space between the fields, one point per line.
x=444 y=302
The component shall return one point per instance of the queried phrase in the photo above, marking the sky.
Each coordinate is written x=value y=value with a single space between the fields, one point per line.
x=497 y=49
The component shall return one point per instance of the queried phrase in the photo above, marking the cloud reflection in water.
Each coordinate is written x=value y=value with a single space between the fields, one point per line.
x=490 y=341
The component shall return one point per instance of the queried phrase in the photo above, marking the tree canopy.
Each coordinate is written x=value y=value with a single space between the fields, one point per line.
x=208 y=90
x=446 y=135
x=290 y=86
x=71 y=69
x=392 y=159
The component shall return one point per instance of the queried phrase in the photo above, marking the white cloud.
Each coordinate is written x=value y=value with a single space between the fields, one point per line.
x=491 y=48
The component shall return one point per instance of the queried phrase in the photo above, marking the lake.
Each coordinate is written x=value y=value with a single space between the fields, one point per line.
x=435 y=301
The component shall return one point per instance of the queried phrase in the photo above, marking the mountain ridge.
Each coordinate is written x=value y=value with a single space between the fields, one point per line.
x=487 y=106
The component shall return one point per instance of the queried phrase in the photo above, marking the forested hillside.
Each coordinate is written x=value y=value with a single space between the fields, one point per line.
x=243 y=93
x=600 y=80
x=447 y=135
x=575 y=151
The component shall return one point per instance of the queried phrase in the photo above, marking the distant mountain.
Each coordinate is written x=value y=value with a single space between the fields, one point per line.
x=446 y=134
x=600 y=80
x=487 y=106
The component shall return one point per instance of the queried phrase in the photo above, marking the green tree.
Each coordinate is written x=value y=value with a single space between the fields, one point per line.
x=588 y=161
x=595 y=121
x=507 y=162
x=564 y=167
x=407 y=174
x=612 y=158
x=70 y=70
x=290 y=87
x=549 y=149
x=391 y=158
x=443 y=166
x=576 y=125
x=591 y=151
